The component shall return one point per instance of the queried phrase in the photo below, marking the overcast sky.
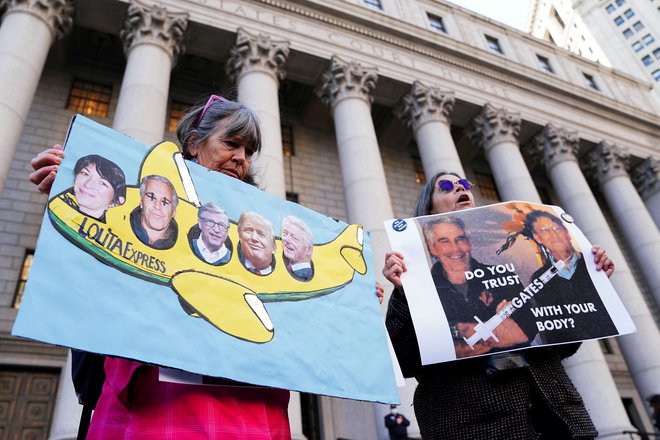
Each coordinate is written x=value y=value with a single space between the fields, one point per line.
x=511 y=12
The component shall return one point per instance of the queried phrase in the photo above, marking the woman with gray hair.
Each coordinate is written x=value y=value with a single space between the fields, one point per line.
x=525 y=395
x=222 y=136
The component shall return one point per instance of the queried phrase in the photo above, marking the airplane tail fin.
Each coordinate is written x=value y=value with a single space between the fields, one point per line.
x=165 y=159
x=353 y=254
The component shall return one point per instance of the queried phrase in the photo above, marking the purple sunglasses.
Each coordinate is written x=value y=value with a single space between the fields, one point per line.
x=209 y=103
x=448 y=185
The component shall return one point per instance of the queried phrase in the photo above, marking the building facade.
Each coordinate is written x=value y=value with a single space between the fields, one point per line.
x=623 y=34
x=358 y=100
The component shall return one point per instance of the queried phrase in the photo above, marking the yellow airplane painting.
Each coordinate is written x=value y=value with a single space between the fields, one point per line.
x=229 y=296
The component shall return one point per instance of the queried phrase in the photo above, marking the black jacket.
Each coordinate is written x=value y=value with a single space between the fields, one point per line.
x=465 y=400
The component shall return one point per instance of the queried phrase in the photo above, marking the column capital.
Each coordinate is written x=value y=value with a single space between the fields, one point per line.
x=605 y=162
x=493 y=126
x=554 y=145
x=646 y=177
x=154 y=24
x=58 y=14
x=423 y=104
x=346 y=79
x=257 y=52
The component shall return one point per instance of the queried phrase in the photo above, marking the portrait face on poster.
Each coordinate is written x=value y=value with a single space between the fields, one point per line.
x=501 y=278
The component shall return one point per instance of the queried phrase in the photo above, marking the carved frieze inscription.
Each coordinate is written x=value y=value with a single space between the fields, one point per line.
x=386 y=51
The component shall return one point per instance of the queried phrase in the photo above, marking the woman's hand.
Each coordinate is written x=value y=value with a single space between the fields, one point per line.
x=379 y=292
x=603 y=262
x=394 y=267
x=45 y=166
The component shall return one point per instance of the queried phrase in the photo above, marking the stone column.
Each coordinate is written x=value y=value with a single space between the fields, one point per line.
x=28 y=29
x=346 y=88
x=607 y=163
x=152 y=42
x=67 y=411
x=295 y=416
x=557 y=149
x=496 y=130
x=152 y=38
x=255 y=65
x=646 y=177
x=427 y=109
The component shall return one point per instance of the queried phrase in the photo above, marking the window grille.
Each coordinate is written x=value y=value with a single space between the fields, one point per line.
x=89 y=99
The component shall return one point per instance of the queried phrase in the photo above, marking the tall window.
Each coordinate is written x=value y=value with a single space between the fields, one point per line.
x=610 y=8
x=437 y=23
x=485 y=185
x=177 y=110
x=629 y=13
x=648 y=39
x=590 y=81
x=628 y=33
x=288 y=148
x=620 y=2
x=606 y=346
x=88 y=98
x=22 y=278
x=637 y=46
x=633 y=414
x=558 y=18
x=656 y=53
x=638 y=26
x=374 y=3
x=311 y=416
x=618 y=20
x=656 y=74
x=647 y=60
x=420 y=177
x=494 y=44
x=544 y=63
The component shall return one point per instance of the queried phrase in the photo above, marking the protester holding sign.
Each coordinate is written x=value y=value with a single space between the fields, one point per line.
x=222 y=136
x=523 y=394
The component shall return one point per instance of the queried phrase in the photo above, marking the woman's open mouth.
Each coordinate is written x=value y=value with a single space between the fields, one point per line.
x=463 y=198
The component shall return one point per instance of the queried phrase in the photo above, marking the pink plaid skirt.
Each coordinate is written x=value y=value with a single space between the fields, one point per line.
x=136 y=405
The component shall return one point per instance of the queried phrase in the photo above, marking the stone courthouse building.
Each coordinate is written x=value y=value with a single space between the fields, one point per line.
x=359 y=101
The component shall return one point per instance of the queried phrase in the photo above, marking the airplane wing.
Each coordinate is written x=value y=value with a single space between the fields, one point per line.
x=229 y=306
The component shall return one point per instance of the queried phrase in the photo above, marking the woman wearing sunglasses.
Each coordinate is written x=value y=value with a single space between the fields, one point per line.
x=524 y=395
x=222 y=136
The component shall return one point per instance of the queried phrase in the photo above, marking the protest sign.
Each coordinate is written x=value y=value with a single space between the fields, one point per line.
x=502 y=277
x=134 y=260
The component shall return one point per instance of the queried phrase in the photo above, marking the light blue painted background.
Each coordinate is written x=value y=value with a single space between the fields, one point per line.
x=333 y=345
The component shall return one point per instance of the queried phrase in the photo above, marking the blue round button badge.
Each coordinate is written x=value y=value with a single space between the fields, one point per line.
x=399 y=225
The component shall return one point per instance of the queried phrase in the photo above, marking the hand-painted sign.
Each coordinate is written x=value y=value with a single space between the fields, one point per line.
x=195 y=270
